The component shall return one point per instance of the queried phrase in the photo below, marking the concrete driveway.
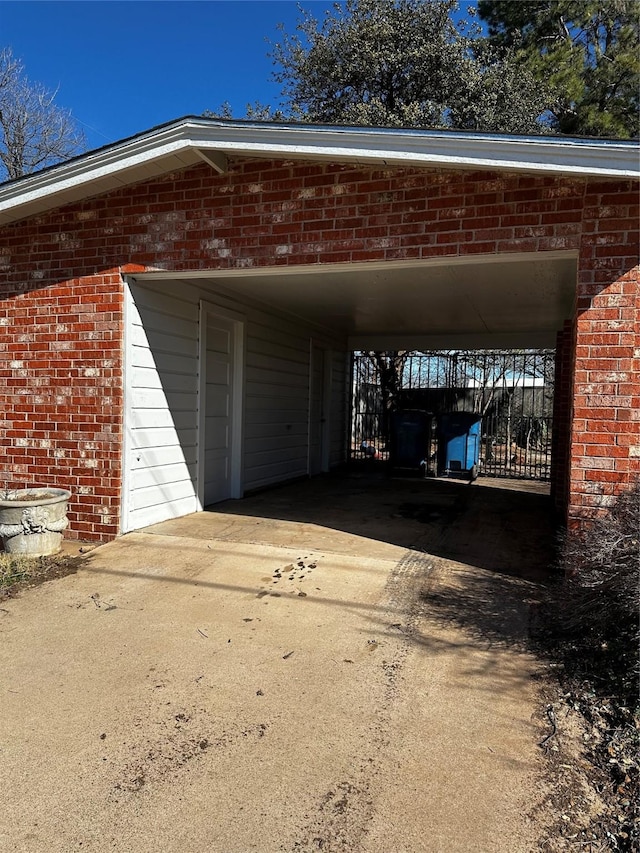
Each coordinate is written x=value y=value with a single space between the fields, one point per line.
x=336 y=665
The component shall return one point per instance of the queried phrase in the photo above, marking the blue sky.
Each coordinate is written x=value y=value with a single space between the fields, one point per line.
x=123 y=67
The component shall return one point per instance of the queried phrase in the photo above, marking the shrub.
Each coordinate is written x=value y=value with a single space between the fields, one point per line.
x=600 y=602
x=593 y=632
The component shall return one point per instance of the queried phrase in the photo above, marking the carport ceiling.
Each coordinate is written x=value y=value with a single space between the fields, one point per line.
x=491 y=301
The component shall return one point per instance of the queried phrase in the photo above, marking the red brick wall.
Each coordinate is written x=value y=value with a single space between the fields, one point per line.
x=275 y=213
x=61 y=292
x=61 y=394
x=605 y=441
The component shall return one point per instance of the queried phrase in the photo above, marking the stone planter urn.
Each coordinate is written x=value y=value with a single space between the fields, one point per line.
x=32 y=520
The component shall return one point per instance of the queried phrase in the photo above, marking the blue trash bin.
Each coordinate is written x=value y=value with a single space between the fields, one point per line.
x=459 y=444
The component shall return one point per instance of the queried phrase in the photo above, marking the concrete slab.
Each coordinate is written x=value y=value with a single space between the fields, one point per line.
x=323 y=667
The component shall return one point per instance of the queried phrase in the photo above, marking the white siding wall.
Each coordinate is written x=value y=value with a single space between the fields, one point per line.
x=163 y=384
x=276 y=400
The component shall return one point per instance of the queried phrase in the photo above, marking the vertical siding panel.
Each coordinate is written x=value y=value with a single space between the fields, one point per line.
x=276 y=400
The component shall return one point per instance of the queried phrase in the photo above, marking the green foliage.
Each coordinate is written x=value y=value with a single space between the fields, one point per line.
x=403 y=63
x=255 y=112
x=586 y=51
x=568 y=66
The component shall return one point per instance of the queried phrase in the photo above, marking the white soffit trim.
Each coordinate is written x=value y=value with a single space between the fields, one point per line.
x=296 y=270
x=446 y=149
x=185 y=142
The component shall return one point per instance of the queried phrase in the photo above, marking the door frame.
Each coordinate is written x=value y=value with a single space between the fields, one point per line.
x=325 y=405
x=207 y=308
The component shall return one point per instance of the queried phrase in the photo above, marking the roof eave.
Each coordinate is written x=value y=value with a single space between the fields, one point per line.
x=182 y=144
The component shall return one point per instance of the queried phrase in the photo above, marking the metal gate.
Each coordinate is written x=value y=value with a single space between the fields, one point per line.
x=512 y=390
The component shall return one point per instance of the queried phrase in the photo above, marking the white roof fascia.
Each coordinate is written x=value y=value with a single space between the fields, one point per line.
x=550 y=155
x=114 y=167
x=189 y=141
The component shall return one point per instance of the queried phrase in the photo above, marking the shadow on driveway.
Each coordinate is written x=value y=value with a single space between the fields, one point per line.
x=503 y=526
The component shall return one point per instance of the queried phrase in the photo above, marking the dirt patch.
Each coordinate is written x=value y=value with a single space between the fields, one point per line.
x=592 y=749
x=592 y=638
x=161 y=748
x=593 y=770
x=18 y=573
x=572 y=806
x=592 y=786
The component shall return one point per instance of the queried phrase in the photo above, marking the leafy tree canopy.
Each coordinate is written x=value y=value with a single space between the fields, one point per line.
x=402 y=63
x=588 y=52
x=545 y=66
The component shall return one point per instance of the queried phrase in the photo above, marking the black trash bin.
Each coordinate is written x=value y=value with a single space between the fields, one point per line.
x=411 y=435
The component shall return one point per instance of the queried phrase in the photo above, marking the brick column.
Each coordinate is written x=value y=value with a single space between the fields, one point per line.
x=605 y=437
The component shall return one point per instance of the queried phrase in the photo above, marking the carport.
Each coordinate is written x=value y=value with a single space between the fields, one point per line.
x=514 y=301
x=185 y=302
x=179 y=310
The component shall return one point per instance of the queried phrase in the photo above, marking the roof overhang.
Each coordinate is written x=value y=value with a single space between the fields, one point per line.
x=185 y=142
